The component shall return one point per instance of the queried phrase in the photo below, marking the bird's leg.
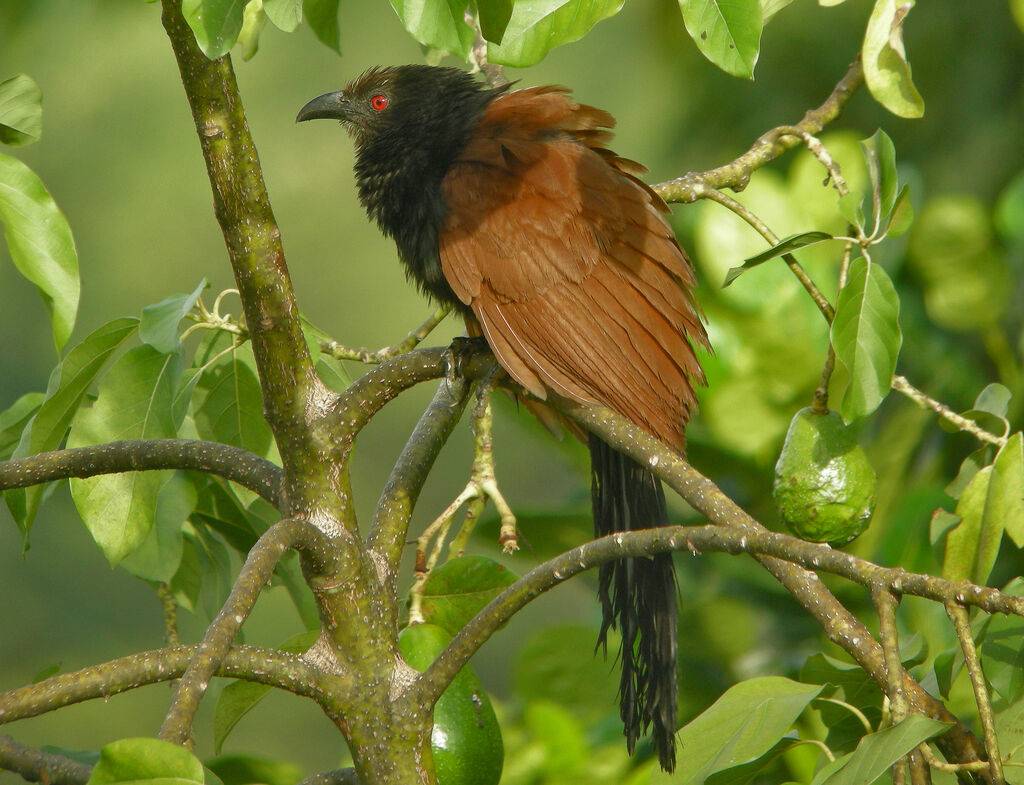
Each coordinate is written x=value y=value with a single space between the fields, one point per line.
x=483 y=476
x=482 y=485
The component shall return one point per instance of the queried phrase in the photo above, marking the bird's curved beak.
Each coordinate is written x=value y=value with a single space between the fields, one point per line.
x=330 y=106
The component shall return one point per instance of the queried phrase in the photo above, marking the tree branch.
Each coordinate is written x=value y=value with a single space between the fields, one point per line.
x=252 y=663
x=37 y=766
x=368 y=394
x=255 y=574
x=253 y=240
x=769 y=146
x=398 y=498
x=371 y=357
x=232 y=463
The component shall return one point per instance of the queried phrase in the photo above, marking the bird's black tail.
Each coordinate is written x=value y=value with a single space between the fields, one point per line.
x=638 y=597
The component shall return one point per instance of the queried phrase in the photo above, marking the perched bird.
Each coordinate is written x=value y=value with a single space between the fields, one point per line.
x=509 y=206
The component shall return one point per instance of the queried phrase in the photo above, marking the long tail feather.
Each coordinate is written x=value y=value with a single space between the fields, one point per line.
x=638 y=597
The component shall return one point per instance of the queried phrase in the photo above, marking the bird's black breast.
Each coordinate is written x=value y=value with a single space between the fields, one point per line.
x=401 y=164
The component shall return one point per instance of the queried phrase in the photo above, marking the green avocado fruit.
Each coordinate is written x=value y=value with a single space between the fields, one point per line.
x=466 y=740
x=824 y=484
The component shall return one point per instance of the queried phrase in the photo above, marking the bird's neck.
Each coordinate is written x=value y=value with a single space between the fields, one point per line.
x=399 y=176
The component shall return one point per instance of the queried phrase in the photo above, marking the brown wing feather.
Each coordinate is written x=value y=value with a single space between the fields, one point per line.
x=568 y=263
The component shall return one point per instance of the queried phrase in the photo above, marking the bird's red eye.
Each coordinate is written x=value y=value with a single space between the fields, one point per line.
x=379 y=102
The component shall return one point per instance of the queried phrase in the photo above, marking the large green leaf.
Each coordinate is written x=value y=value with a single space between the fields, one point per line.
x=886 y=70
x=880 y=155
x=40 y=242
x=21 y=110
x=991 y=502
x=285 y=14
x=878 y=751
x=146 y=760
x=322 y=16
x=866 y=337
x=972 y=547
x=538 y=26
x=134 y=402
x=1008 y=488
x=727 y=32
x=230 y=406
x=455 y=592
x=215 y=23
x=741 y=726
x=494 y=16
x=68 y=384
x=438 y=24
x=159 y=555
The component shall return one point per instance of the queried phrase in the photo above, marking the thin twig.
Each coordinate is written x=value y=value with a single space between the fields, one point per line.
x=900 y=384
x=962 y=625
x=769 y=146
x=376 y=356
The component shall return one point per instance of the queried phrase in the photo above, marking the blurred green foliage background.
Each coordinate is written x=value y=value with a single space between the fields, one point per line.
x=119 y=155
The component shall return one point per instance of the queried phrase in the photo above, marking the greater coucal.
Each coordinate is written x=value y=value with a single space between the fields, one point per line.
x=509 y=206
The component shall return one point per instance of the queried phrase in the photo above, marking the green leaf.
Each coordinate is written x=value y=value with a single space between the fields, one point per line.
x=253 y=21
x=14 y=419
x=159 y=555
x=68 y=384
x=902 y=215
x=784 y=246
x=770 y=8
x=1003 y=655
x=866 y=337
x=1007 y=491
x=994 y=399
x=876 y=752
x=851 y=207
x=494 y=17
x=880 y=156
x=215 y=24
x=741 y=775
x=240 y=697
x=970 y=466
x=438 y=24
x=159 y=324
x=1009 y=210
x=134 y=402
x=972 y=547
x=285 y=14
x=538 y=26
x=21 y=111
x=727 y=32
x=852 y=686
x=942 y=521
x=886 y=70
x=322 y=16
x=455 y=592
x=231 y=406
x=745 y=723
x=246 y=769
x=144 y=759
x=40 y=242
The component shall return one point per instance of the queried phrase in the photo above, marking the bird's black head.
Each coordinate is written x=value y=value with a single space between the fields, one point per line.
x=410 y=106
x=409 y=123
